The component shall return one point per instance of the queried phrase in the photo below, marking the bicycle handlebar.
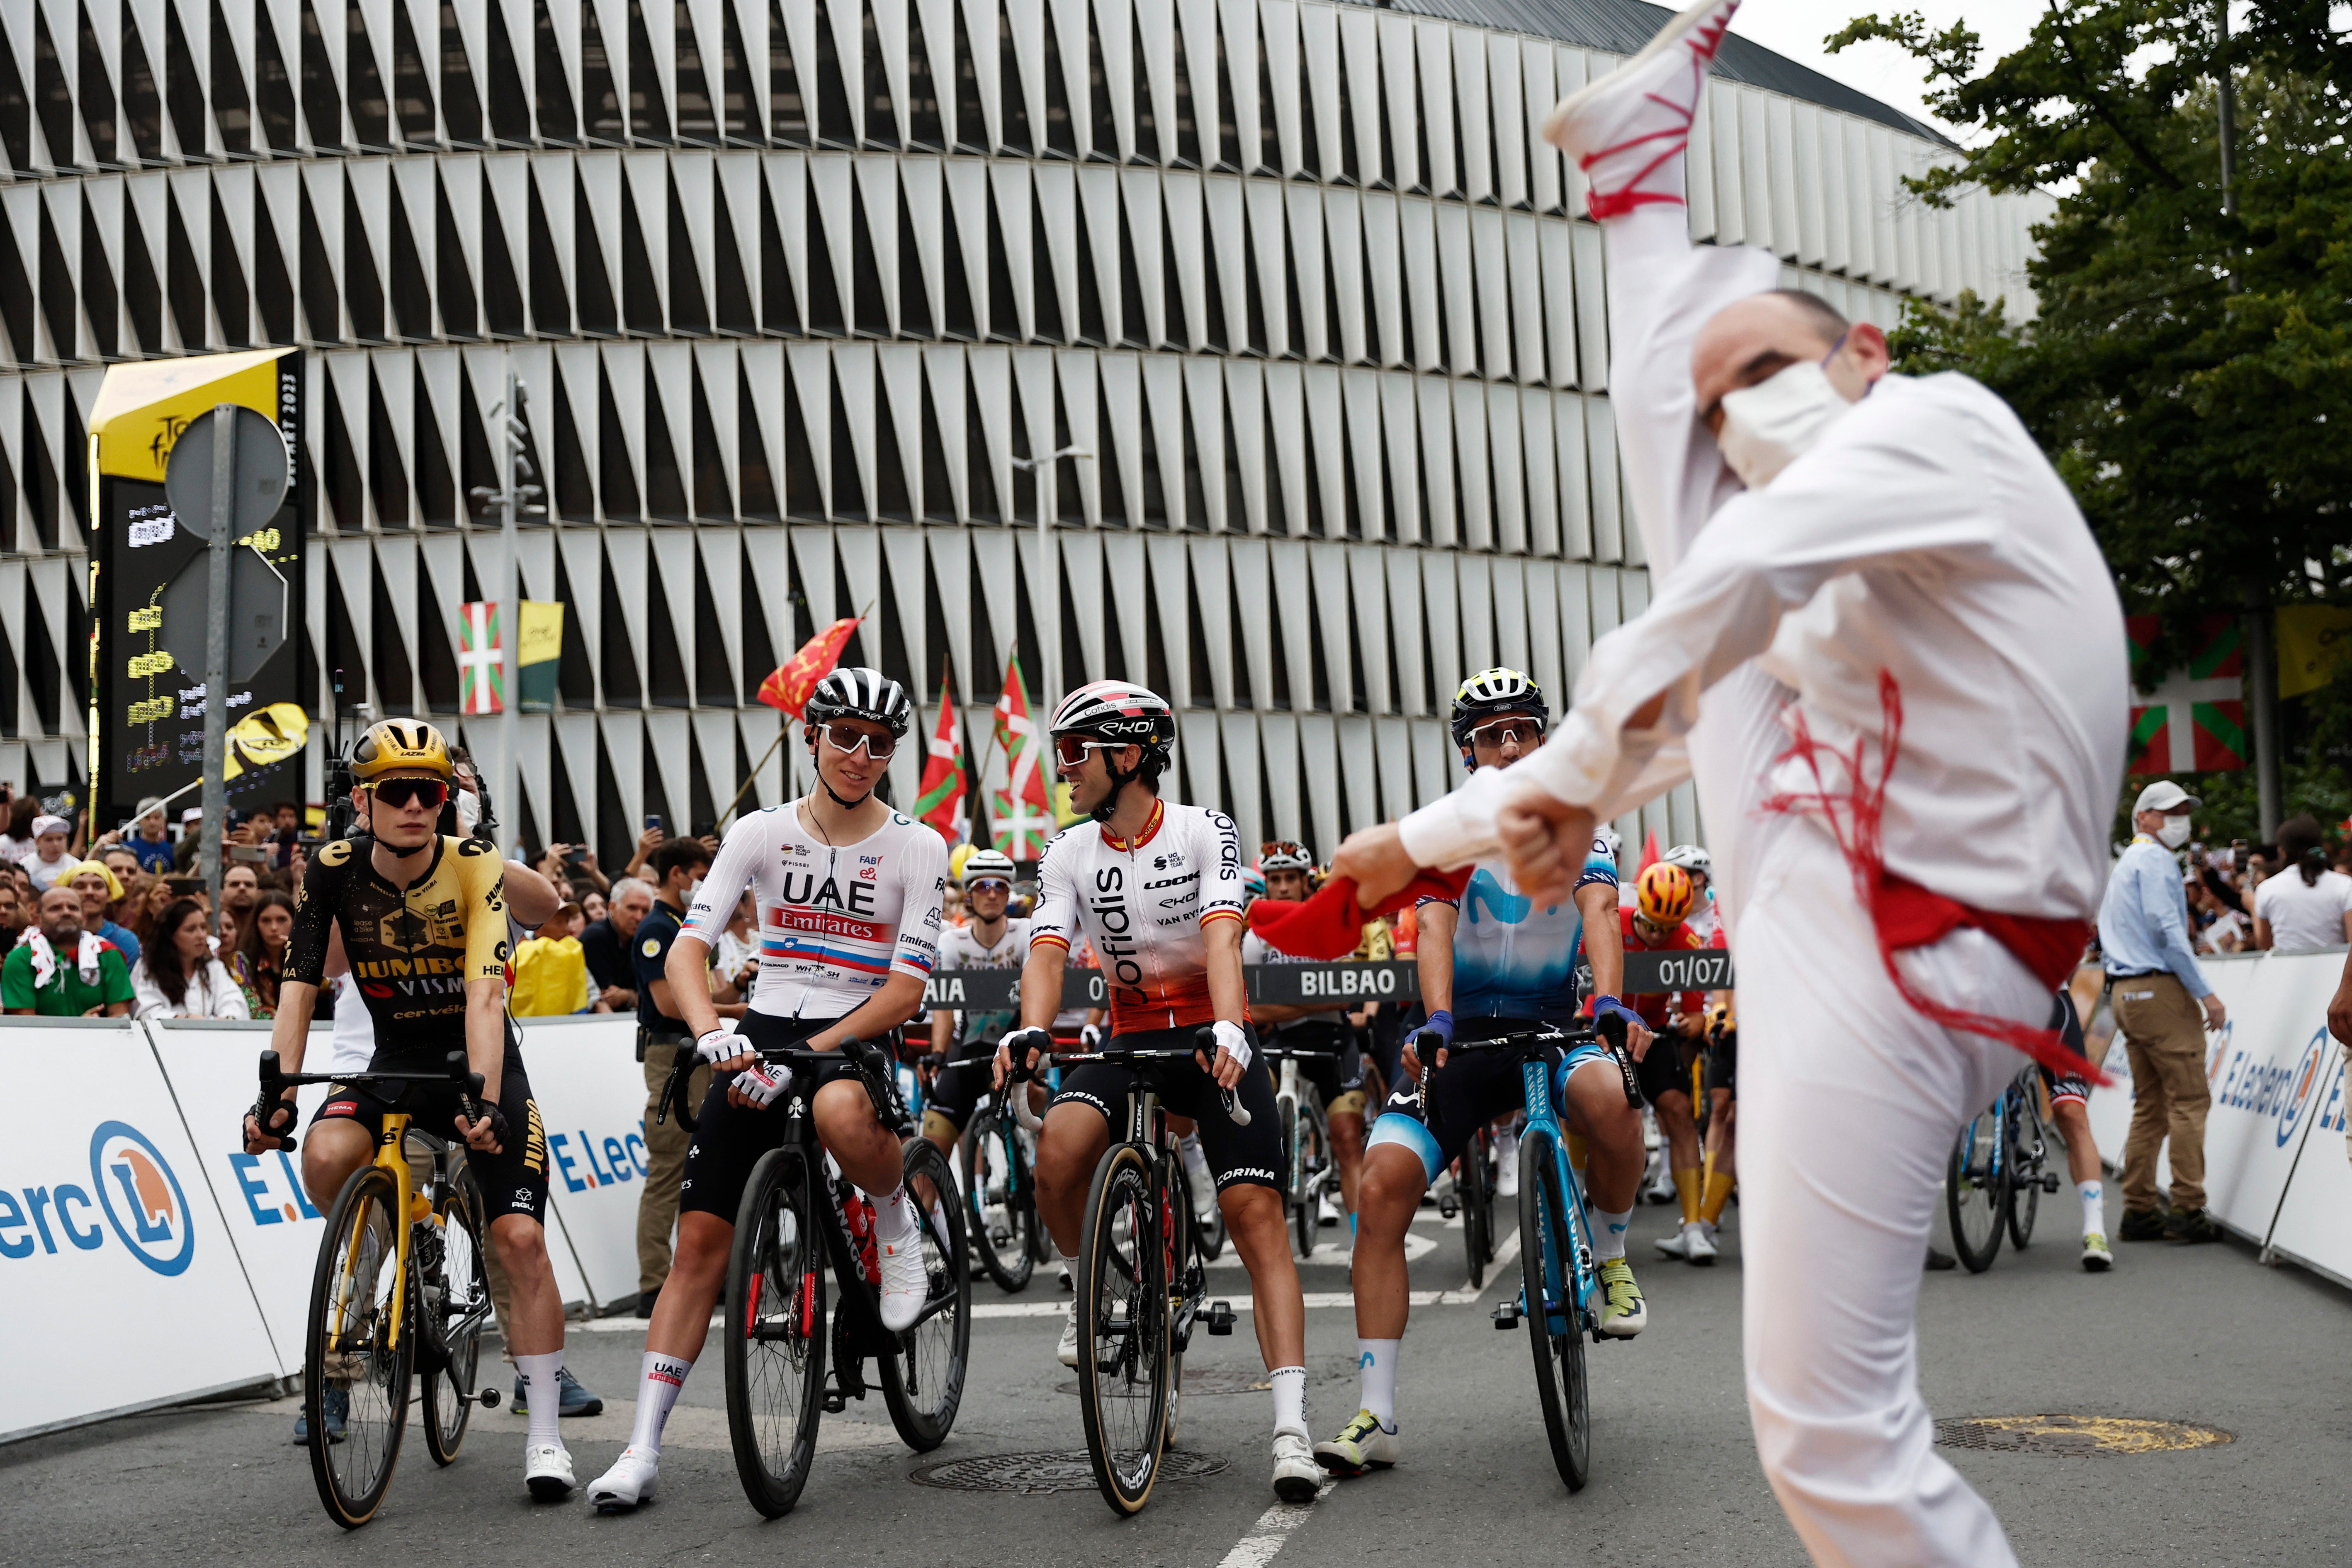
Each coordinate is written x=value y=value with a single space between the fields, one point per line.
x=1203 y=1040
x=872 y=1065
x=1608 y=1033
x=275 y=1083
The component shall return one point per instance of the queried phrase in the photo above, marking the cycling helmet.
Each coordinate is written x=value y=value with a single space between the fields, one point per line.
x=1491 y=692
x=1123 y=714
x=1614 y=842
x=400 y=748
x=987 y=863
x=1690 y=858
x=1663 y=894
x=860 y=693
x=1253 y=882
x=1284 y=856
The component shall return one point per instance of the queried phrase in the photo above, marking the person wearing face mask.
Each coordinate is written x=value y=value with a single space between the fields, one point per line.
x=1885 y=647
x=2163 y=1006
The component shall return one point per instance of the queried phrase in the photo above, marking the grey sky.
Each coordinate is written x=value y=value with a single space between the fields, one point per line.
x=1796 y=28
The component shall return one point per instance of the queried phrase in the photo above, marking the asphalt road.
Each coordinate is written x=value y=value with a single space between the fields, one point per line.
x=2205 y=1334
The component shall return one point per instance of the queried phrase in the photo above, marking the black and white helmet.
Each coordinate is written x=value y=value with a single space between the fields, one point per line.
x=861 y=693
x=1690 y=858
x=1493 y=692
x=1121 y=712
x=982 y=863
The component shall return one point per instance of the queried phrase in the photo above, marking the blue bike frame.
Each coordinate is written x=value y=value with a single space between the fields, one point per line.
x=1582 y=1277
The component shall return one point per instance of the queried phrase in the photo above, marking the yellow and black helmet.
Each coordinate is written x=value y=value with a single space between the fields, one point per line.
x=400 y=748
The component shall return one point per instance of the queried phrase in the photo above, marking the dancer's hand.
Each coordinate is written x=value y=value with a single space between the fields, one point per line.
x=1374 y=858
x=1547 y=840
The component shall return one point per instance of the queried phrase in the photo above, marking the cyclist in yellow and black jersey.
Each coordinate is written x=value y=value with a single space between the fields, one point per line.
x=422 y=919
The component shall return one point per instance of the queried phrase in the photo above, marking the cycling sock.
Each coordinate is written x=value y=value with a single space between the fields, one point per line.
x=1718 y=1193
x=2095 y=1207
x=1609 y=1233
x=894 y=1216
x=543 y=1386
x=657 y=1389
x=1069 y=1267
x=1686 y=1183
x=1377 y=1362
x=1289 y=1398
x=1196 y=1162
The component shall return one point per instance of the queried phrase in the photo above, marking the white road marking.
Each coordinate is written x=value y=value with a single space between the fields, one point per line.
x=1273 y=1528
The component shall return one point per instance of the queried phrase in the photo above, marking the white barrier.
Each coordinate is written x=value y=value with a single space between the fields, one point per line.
x=591 y=1091
x=120 y=1289
x=2275 y=1077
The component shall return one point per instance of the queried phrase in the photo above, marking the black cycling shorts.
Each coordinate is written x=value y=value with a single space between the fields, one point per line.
x=728 y=1139
x=1723 y=1063
x=1236 y=1155
x=1664 y=1069
x=1469 y=1092
x=2073 y=1085
x=1334 y=1076
x=514 y=1180
x=962 y=1085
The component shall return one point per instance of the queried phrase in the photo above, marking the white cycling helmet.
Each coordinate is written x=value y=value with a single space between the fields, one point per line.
x=861 y=693
x=987 y=863
x=1285 y=855
x=1123 y=714
x=1690 y=858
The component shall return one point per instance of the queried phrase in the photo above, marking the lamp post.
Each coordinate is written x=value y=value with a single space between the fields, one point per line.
x=1049 y=584
x=515 y=498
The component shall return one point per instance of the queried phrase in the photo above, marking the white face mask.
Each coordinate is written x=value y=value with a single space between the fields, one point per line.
x=1772 y=423
x=2174 y=833
x=469 y=812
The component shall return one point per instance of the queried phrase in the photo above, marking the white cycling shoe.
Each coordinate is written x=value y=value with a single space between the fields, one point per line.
x=1695 y=1243
x=1067 y=1352
x=547 y=1471
x=629 y=1482
x=1297 y=1476
x=906 y=1283
x=1506 y=1166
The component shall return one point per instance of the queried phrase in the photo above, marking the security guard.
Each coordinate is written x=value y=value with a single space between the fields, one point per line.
x=677 y=865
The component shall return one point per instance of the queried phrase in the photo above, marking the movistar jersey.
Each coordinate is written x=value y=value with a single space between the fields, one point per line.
x=1512 y=960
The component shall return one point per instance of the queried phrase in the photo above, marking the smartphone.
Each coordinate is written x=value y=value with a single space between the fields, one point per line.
x=652 y=820
x=575 y=857
x=258 y=854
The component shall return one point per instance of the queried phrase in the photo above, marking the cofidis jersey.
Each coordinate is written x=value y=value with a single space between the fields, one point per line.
x=836 y=921
x=1512 y=960
x=1144 y=903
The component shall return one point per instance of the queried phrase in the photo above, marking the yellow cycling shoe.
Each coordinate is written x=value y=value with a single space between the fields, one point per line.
x=1625 y=1313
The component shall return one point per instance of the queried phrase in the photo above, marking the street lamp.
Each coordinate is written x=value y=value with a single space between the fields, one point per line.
x=1049 y=618
x=515 y=497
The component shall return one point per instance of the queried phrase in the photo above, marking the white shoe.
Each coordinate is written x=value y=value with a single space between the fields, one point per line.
x=1676 y=1245
x=906 y=1283
x=629 y=1482
x=1506 y=1167
x=1628 y=130
x=1067 y=1352
x=1700 y=1236
x=1326 y=1211
x=1297 y=1476
x=547 y=1471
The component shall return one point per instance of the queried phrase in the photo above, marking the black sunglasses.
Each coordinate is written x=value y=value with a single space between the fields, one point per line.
x=396 y=793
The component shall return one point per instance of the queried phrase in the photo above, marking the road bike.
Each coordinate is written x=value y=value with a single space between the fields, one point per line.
x=1560 y=1294
x=801 y=1220
x=1473 y=1198
x=1310 y=1174
x=1142 y=1285
x=1000 y=1196
x=1998 y=1169
x=401 y=1289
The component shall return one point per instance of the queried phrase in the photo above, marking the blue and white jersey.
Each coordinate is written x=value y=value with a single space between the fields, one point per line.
x=1512 y=960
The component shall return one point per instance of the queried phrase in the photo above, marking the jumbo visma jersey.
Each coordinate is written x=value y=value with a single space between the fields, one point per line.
x=1512 y=960
x=413 y=950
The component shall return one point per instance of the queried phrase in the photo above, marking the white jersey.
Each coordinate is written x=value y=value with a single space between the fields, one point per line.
x=1143 y=903
x=960 y=948
x=836 y=921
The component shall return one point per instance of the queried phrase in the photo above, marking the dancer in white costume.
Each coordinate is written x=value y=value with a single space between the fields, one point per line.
x=1886 y=648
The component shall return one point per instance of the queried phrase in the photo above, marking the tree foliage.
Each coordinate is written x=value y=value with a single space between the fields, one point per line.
x=2190 y=369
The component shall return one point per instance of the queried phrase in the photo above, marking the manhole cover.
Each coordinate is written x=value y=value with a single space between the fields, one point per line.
x=1207 y=1379
x=2077 y=1435
x=1041 y=1473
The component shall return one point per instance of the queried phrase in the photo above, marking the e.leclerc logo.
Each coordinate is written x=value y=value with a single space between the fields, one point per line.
x=142 y=1197
x=2298 y=1094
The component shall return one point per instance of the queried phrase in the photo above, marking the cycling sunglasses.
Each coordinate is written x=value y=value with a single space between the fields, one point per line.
x=1070 y=751
x=998 y=883
x=432 y=794
x=1525 y=732
x=844 y=739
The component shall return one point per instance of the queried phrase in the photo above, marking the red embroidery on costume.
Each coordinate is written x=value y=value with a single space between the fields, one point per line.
x=1918 y=916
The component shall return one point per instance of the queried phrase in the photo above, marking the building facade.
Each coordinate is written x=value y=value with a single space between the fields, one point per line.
x=792 y=284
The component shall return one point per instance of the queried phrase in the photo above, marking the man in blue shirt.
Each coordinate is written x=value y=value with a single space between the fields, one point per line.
x=2163 y=1008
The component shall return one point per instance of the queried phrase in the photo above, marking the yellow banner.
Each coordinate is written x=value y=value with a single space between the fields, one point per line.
x=142 y=408
x=540 y=632
x=2314 y=647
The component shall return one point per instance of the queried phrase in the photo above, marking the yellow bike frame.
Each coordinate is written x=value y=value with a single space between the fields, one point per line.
x=392 y=1157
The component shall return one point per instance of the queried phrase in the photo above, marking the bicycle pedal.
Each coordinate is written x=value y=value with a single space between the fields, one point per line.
x=2050 y=1183
x=833 y=1402
x=1506 y=1317
x=1220 y=1318
x=1448 y=1208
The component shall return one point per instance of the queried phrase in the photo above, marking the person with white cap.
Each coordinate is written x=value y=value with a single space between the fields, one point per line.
x=1886 y=649
x=50 y=859
x=2163 y=1006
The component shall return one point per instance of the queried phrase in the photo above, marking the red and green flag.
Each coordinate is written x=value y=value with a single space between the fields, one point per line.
x=481 y=660
x=940 y=801
x=1024 y=812
x=2193 y=720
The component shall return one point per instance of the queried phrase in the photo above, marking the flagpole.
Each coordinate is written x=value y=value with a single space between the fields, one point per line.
x=781 y=730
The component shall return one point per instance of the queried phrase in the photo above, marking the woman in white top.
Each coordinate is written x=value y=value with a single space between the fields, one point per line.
x=177 y=976
x=2306 y=905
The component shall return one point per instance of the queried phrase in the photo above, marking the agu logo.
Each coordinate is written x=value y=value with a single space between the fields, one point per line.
x=142 y=1197
x=2297 y=1093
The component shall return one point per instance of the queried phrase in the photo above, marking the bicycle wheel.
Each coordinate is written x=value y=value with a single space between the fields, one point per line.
x=2025 y=1166
x=1002 y=1213
x=1187 y=1284
x=1975 y=1190
x=458 y=1292
x=1124 y=1354
x=1477 y=1197
x=1554 y=1320
x=357 y=1349
x=1208 y=1235
x=922 y=1380
x=774 y=1331
x=1295 y=1197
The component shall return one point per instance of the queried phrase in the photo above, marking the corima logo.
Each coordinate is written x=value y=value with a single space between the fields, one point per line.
x=142 y=1197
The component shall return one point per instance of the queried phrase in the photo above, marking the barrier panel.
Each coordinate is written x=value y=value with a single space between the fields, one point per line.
x=2311 y=1227
x=120 y=1289
x=2269 y=1068
x=591 y=1090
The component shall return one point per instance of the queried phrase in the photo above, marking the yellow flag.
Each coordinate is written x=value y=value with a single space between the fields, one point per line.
x=1063 y=816
x=539 y=652
x=2314 y=647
